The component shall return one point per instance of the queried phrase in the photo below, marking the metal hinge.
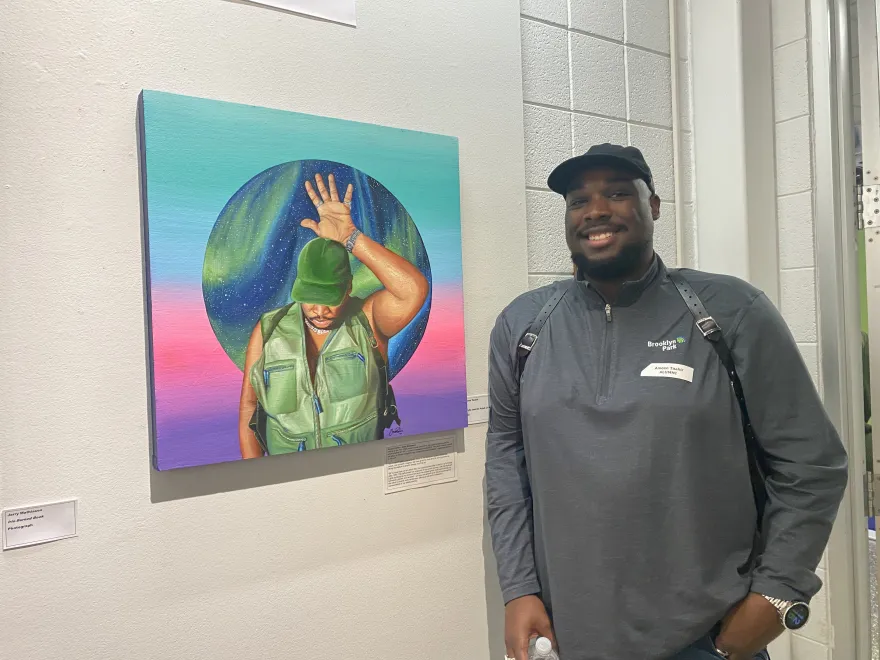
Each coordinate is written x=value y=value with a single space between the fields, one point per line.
x=868 y=216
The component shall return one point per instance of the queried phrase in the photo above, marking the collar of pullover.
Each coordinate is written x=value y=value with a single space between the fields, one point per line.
x=630 y=292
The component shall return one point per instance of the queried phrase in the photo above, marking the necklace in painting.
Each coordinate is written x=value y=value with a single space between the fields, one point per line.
x=317 y=331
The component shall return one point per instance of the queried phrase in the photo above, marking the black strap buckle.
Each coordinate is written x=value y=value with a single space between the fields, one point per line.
x=527 y=343
x=708 y=327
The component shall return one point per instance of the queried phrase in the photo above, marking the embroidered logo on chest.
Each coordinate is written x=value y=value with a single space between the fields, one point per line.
x=667 y=344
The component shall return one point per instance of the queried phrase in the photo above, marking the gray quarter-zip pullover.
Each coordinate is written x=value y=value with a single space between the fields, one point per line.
x=616 y=470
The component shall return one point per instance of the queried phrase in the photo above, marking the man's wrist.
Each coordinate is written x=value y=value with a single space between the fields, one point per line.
x=352 y=239
x=749 y=627
x=520 y=590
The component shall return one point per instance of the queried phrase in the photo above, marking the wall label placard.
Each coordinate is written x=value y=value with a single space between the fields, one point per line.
x=42 y=523
x=418 y=463
x=478 y=409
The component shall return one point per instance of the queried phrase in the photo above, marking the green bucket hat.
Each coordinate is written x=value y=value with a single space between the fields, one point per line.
x=323 y=273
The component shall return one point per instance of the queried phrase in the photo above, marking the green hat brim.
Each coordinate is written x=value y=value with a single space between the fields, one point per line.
x=313 y=293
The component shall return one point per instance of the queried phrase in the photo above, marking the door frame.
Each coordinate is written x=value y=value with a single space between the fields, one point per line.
x=840 y=368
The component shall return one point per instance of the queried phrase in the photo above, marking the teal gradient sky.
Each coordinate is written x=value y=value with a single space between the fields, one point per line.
x=240 y=141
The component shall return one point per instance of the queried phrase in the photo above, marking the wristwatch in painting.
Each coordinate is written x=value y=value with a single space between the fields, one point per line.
x=349 y=244
x=793 y=614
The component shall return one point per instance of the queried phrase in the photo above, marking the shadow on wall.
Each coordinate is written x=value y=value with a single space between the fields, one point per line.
x=494 y=600
x=184 y=483
x=282 y=10
x=181 y=484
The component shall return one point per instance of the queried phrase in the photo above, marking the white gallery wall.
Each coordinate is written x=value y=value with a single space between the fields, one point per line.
x=290 y=557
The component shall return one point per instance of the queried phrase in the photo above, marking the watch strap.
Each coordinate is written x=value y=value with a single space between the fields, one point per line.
x=780 y=604
x=352 y=239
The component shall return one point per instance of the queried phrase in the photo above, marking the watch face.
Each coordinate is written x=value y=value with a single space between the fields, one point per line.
x=796 y=616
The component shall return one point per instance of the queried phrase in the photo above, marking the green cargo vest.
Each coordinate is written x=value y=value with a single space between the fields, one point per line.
x=351 y=401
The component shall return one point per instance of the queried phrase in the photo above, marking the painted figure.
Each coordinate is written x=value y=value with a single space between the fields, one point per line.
x=316 y=370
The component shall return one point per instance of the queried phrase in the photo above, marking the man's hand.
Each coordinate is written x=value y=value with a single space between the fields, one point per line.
x=334 y=216
x=525 y=618
x=749 y=627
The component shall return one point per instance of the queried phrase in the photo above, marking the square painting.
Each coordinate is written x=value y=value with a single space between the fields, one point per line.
x=304 y=281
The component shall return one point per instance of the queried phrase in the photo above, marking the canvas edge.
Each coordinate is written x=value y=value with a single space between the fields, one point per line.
x=268 y=108
x=147 y=282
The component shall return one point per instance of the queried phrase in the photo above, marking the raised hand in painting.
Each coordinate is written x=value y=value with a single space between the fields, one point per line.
x=404 y=288
x=334 y=216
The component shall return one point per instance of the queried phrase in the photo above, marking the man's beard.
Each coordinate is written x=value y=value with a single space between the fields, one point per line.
x=625 y=264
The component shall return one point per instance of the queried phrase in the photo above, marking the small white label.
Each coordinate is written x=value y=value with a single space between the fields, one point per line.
x=38 y=524
x=478 y=409
x=419 y=463
x=669 y=370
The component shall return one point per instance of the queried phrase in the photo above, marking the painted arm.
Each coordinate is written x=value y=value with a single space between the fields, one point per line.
x=404 y=287
x=247 y=440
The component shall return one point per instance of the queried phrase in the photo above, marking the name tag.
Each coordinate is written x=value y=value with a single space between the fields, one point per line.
x=669 y=370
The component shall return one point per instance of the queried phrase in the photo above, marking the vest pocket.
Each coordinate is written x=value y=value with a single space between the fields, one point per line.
x=279 y=384
x=353 y=434
x=345 y=375
x=282 y=441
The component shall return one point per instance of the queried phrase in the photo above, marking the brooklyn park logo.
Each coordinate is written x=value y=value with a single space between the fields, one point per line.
x=667 y=344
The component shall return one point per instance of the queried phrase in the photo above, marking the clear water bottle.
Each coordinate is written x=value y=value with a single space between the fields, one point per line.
x=540 y=648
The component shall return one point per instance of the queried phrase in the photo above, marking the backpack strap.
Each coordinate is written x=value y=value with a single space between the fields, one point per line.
x=527 y=341
x=389 y=412
x=712 y=332
x=267 y=326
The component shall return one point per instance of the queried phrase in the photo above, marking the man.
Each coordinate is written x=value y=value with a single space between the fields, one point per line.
x=315 y=371
x=618 y=482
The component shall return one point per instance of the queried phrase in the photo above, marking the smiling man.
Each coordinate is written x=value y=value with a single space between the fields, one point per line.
x=634 y=514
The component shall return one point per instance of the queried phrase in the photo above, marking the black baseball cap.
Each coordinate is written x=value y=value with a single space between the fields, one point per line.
x=629 y=159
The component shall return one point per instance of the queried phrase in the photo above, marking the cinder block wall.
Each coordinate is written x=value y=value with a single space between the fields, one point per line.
x=794 y=174
x=593 y=71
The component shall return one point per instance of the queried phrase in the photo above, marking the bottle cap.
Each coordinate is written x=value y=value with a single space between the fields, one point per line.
x=543 y=647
